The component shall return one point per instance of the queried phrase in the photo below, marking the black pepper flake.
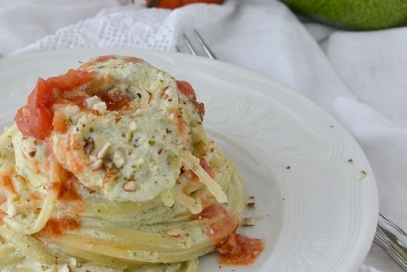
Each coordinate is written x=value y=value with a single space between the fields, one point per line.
x=350 y=160
x=288 y=167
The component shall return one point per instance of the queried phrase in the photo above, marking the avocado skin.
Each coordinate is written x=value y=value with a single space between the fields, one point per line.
x=353 y=14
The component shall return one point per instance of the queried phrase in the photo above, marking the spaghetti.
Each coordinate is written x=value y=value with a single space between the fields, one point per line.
x=108 y=168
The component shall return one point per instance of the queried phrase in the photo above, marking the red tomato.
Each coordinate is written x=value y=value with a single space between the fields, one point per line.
x=69 y=80
x=238 y=249
x=35 y=118
x=115 y=101
x=186 y=89
x=220 y=226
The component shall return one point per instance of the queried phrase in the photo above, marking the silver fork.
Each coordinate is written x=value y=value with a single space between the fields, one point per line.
x=208 y=52
x=393 y=240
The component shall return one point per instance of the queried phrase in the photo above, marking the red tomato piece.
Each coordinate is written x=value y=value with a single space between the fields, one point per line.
x=35 y=118
x=186 y=89
x=115 y=101
x=71 y=79
x=240 y=250
x=211 y=172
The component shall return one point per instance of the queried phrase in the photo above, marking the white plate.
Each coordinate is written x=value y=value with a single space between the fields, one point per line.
x=318 y=210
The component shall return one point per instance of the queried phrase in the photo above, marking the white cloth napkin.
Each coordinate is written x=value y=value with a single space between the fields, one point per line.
x=357 y=76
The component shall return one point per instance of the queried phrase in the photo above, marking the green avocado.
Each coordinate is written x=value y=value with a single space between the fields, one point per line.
x=353 y=14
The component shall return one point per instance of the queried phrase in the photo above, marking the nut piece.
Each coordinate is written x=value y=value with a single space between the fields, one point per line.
x=65 y=268
x=362 y=174
x=97 y=164
x=133 y=126
x=91 y=101
x=95 y=103
x=139 y=162
x=100 y=107
x=118 y=158
x=73 y=262
x=110 y=175
x=103 y=152
x=251 y=202
x=12 y=210
x=248 y=222
x=89 y=145
x=130 y=186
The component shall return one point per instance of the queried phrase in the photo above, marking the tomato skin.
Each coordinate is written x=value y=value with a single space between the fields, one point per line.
x=173 y=4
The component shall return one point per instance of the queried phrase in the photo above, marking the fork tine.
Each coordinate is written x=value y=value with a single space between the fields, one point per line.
x=189 y=45
x=208 y=52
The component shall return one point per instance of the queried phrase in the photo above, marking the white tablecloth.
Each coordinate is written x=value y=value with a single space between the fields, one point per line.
x=359 y=77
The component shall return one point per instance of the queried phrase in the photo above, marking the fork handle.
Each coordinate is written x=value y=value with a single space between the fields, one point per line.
x=390 y=237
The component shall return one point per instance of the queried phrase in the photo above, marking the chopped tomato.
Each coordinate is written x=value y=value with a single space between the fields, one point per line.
x=2 y=216
x=133 y=59
x=7 y=186
x=217 y=223
x=115 y=101
x=238 y=249
x=221 y=227
x=36 y=117
x=211 y=172
x=66 y=184
x=59 y=122
x=56 y=227
x=69 y=80
x=68 y=190
x=186 y=89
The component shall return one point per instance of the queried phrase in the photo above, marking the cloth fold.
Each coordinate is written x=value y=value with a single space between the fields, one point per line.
x=24 y=22
x=357 y=76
